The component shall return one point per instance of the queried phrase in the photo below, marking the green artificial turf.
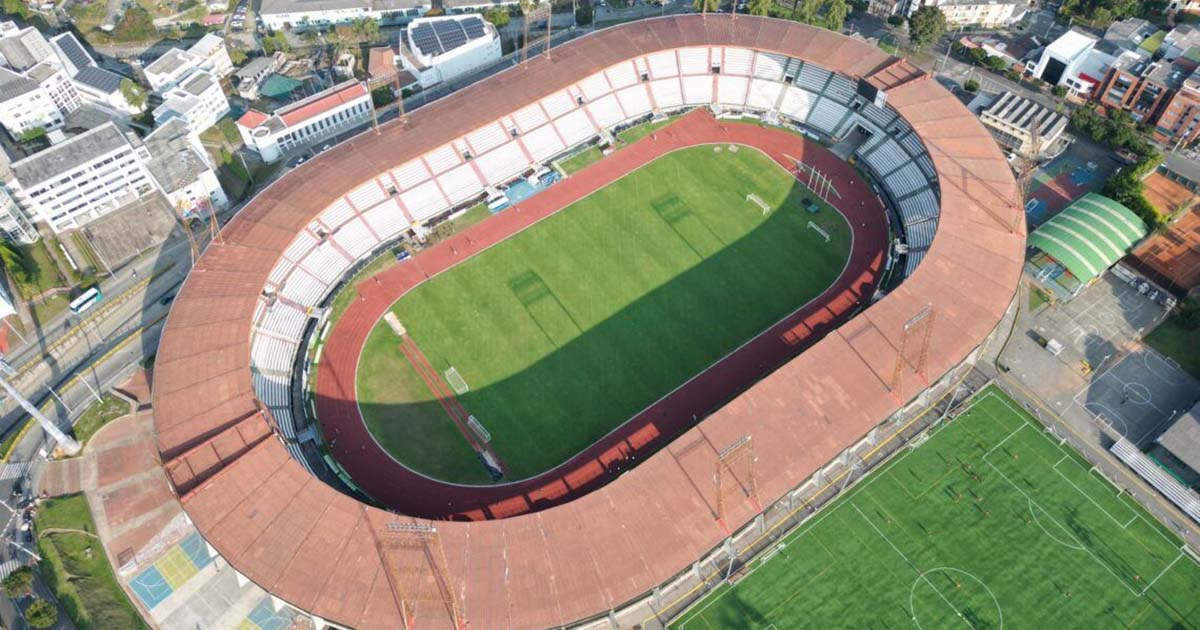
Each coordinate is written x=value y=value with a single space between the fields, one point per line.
x=990 y=523
x=568 y=329
x=1176 y=340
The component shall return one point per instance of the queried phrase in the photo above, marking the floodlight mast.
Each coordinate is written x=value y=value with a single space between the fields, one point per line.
x=65 y=442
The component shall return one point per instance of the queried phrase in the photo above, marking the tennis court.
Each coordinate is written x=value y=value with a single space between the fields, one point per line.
x=990 y=523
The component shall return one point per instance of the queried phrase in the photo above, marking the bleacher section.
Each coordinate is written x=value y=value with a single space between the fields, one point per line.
x=455 y=174
x=1180 y=495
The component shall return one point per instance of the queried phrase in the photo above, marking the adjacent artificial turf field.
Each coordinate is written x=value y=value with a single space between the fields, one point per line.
x=991 y=523
x=571 y=327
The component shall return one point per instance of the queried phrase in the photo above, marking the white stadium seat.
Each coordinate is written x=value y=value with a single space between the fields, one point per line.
x=325 y=263
x=920 y=235
x=606 y=111
x=912 y=261
x=905 y=181
x=336 y=214
x=663 y=65
x=635 y=100
x=769 y=66
x=272 y=390
x=698 y=90
x=764 y=94
x=575 y=127
x=530 y=117
x=424 y=201
x=268 y=353
x=558 y=104
x=694 y=61
x=840 y=89
x=443 y=159
x=356 y=239
x=543 y=143
x=797 y=103
x=300 y=246
x=919 y=207
x=502 y=164
x=284 y=321
x=738 y=61
x=410 y=174
x=732 y=90
x=885 y=155
x=666 y=93
x=302 y=288
x=280 y=271
x=460 y=183
x=622 y=75
x=826 y=116
x=386 y=220
x=487 y=138
x=367 y=195
x=594 y=86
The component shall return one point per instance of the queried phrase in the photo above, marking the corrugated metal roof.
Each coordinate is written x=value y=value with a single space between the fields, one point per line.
x=1089 y=235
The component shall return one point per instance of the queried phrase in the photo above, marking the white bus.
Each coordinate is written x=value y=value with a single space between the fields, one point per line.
x=86 y=300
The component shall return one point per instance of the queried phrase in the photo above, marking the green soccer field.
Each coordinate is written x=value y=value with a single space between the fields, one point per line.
x=991 y=523
x=569 y=328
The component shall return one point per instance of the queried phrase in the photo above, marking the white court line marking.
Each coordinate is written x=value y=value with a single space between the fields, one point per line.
x=920 y=573
x=1067 y=531
x=913 y=589
x=1056 y=539
x=1118 y=523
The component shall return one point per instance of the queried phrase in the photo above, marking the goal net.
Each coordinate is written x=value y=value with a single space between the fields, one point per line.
x=456 y=381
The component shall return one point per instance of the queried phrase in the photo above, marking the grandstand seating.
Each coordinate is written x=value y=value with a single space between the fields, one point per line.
x=1179 y=494
x=380 y=209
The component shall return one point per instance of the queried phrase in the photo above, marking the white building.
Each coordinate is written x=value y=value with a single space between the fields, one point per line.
x=182 y=169
x=984 y=13
x=51 y=64
x=199 y=101
x=81 y=179
x=443 y=48
x=250 y=77
x=13 y=222
x=175 y=65
x=307 y=122
x=25 y=106
x=302 y=15
x=1072 y=61
x=1025 y=127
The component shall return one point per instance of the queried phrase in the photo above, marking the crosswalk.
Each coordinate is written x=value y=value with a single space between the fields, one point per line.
x=6 y=568
x=13 y=470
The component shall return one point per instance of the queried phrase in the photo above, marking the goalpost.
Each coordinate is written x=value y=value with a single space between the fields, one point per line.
x=456 y=381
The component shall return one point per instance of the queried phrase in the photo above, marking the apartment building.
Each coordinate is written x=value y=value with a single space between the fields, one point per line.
x=172 y=67
x=198 y=100
x=1178 y=124
x=25 y=106
x=1139 y=85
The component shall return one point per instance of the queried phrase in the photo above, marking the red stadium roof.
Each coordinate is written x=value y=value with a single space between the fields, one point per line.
x=314 y=547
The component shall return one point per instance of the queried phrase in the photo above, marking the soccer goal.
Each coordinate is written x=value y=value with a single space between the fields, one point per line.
x=457 y=382
x=758 y=201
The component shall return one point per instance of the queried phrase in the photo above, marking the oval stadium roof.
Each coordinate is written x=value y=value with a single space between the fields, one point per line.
x=1089 y=235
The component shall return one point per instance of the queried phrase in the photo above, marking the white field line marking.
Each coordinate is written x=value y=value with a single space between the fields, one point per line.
x=1118 y=523
x=1162 y=573
x=920 y=573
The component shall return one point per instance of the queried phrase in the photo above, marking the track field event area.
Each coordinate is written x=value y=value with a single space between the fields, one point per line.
x=990 y=523
x=555 y=336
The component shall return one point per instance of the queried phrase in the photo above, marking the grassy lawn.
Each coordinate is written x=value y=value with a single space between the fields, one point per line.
x=593 y=154
x=577 y=162
x=989 y=524
x=43 y=273
x=99 y=414
x=1037 y=298
x=569 y=328
x=77 y=570
x=1177 y=341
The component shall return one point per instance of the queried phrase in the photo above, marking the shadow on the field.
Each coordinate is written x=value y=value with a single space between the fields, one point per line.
x=565 y=407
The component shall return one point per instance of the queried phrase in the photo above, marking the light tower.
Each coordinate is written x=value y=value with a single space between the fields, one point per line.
x=65 y=442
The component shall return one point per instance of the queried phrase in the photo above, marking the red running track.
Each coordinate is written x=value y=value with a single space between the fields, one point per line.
x=407 y=492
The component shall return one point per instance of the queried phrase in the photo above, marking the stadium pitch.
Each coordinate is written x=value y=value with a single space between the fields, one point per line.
x=569 y=328
x=991 y=523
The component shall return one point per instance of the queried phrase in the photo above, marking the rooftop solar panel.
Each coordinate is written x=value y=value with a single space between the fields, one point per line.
x=102 y=80
x=425 y=40
x=74 y=52
x=474 y=28
x=450 y=33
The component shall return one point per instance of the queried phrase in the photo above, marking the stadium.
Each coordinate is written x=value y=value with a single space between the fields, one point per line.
x=283 y=478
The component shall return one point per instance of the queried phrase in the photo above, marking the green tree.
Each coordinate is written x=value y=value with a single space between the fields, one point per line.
x=41 y=614
x=498 y=17
x=759 y=7
x=276 y=42
x=135 y=26
x=19 y=583
x=237 y=56
x=704 y=6
x=133 y=93
x=926 y=26
x=971 y=86
x=1058 y=91
x=996 y=63
x=382 y=95
x=33 y=135
x=367 y=29
x=584 y=14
